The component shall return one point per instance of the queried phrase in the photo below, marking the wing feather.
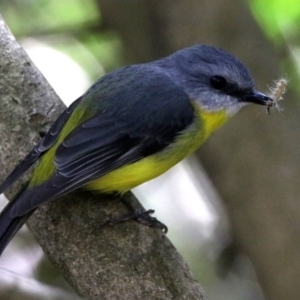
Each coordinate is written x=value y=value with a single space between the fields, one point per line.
x=117 y=134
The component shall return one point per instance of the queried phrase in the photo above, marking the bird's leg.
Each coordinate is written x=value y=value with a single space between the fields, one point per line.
x=139 y=214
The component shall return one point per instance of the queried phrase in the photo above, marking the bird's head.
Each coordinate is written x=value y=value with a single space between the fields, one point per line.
x=215 y=79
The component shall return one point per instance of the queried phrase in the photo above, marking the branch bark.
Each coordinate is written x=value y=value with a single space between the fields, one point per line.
x=126 y=261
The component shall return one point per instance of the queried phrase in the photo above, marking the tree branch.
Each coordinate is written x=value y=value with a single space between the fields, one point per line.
x=125 y=261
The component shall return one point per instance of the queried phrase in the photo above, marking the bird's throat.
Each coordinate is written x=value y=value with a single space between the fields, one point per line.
x=211 y=120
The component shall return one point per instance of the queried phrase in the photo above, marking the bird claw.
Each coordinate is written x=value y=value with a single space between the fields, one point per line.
x=143 y=217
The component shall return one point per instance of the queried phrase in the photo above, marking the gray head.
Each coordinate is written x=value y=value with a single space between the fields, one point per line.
x=215 y=79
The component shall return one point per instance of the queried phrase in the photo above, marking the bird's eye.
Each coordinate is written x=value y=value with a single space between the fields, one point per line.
x=218 y=82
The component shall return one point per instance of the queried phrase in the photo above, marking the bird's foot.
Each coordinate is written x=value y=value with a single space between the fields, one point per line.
x=142 y=216
x=139 y=214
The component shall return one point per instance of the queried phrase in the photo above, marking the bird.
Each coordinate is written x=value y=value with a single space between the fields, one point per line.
x=130 y=126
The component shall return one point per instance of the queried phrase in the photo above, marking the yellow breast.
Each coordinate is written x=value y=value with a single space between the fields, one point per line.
x=130 y=176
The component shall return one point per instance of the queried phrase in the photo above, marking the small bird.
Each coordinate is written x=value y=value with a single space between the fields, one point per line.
x=131 y=126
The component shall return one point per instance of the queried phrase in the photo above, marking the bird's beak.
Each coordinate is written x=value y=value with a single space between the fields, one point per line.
x=258 y=98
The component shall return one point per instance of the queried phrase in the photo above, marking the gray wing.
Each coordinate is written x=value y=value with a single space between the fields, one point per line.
x=153 y=116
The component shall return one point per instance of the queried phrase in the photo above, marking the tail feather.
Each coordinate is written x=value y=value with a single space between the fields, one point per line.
x=9 y=225
x=12 y=226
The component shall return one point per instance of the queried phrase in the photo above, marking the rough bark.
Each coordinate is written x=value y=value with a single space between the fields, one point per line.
x=126 y=261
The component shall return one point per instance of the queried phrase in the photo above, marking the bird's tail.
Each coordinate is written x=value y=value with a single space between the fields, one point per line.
x=10 y=225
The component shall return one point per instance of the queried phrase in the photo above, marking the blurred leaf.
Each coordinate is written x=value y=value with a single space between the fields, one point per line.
x=278 y=18
x=71 y=26
x=47 y=14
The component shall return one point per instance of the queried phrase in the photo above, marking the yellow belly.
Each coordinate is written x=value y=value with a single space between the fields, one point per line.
x=130 y=176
